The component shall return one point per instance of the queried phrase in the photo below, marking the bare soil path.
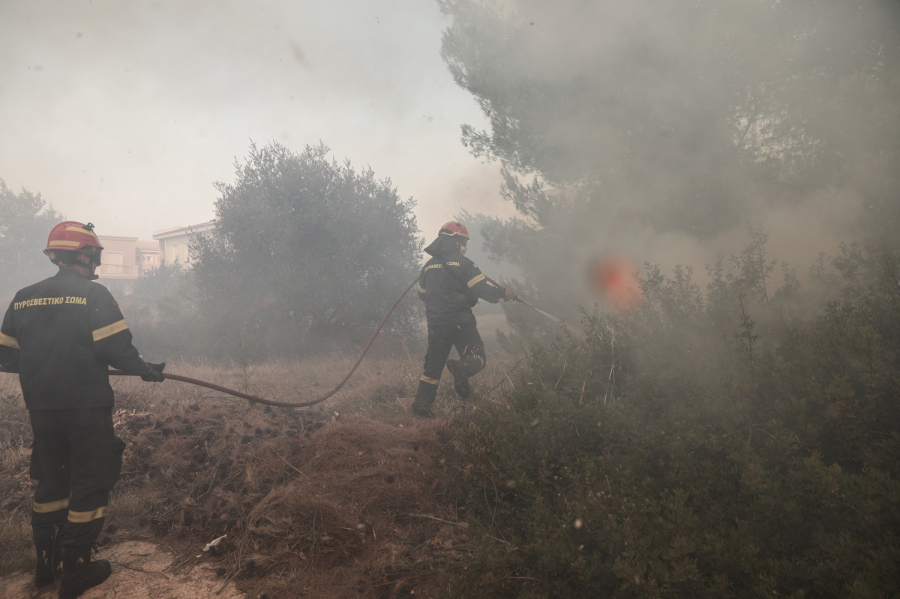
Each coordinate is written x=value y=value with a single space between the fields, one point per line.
x=353 y=499
x=141 y=570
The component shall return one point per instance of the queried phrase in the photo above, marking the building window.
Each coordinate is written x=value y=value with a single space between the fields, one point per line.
x=112 y=263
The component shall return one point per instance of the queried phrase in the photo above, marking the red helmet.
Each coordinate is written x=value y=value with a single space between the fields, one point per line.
x=72 y=236
x=453 y=229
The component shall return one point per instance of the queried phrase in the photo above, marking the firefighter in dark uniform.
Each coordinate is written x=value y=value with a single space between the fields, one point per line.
x=450 y=284
x=61 y=335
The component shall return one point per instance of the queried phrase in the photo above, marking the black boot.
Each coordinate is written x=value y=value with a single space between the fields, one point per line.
x=80 y=573
x=422 y=410
x=425 y=395
x=460 y=378
x=48 y=559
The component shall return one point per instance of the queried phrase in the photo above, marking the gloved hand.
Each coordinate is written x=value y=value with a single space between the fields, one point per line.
x=509 y=295
x=156 y=373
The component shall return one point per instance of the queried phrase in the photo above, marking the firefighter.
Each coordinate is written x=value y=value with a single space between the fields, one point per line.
x=450 y=284
x=61 y=335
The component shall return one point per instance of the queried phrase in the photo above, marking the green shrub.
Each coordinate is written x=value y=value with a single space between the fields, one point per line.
x=717 y=446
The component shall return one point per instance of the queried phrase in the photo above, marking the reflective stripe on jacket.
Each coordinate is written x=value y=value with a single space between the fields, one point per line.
x=450 y=284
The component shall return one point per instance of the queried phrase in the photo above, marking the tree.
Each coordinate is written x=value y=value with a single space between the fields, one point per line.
x=161 y=281
x=681 y=114
x=305 y=250
x=165 y=314
x=25 y=223
x=477 y=250
x=613 y=120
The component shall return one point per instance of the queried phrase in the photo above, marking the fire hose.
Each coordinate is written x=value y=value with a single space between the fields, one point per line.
x=521 y=301
x=286 y=404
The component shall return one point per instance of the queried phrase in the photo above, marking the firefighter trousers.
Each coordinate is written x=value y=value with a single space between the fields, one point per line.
x=441 y=339
x=76 y=459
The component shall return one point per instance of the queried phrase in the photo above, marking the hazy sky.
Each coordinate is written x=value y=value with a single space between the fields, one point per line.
x=125 y=113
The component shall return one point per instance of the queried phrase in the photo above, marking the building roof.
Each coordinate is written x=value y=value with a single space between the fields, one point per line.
x=117 y=238
x=148 y=246
x=175 y=231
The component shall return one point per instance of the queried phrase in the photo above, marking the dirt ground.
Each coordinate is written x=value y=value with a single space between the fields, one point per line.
x=349 y=499
x=141 y=570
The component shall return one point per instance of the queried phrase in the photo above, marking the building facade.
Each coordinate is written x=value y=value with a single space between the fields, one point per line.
x=121 y=266
x=125 y=259
x=174 y=243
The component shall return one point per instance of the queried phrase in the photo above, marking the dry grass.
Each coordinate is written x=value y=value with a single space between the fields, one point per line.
x=335 y=501
x=15 y=486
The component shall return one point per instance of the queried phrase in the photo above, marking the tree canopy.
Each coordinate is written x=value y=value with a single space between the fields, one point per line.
x=616 y=121
x=25 y=223
x=304 y=249
x=682 y=113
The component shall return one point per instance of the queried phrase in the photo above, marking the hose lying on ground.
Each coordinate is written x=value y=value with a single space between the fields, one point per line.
x=272 y=402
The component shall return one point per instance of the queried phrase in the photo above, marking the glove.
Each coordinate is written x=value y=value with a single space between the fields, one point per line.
x=156 y=373
x=509 y=295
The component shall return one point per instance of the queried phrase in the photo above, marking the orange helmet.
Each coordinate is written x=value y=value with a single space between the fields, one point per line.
x=454 y=229
x=72 y=236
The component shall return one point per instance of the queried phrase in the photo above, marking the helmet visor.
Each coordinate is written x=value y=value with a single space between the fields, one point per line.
x=94 y=252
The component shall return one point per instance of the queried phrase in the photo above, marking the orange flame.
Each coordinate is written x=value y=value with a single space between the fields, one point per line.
x=613 y=278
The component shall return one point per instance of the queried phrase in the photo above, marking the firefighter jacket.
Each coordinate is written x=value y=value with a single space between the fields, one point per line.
x=61 y=335
x=450 y=284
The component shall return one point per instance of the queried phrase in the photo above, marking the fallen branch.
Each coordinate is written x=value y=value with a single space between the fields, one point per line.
x=460 y=524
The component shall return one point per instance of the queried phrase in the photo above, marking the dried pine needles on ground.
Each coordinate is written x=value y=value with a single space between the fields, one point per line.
x=344 y=501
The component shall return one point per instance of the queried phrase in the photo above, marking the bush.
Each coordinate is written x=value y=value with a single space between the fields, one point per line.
x=715 y=446
x=306 y=257
x=163 y=314
x=305 y=250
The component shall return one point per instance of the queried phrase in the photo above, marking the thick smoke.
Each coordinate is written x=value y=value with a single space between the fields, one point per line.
x=668 y=127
